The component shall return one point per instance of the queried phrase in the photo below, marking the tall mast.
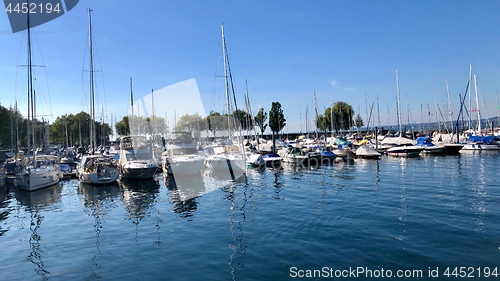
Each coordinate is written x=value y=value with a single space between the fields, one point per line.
x=131 y=97
x=450 y=113
x=92 y=107
x=30 y=83
x=378 y=113
x=477 y=107
x=331 y=117
x=399 y=105
x=316 y=113
x=498 y=112
x=470 y=104
x=226 y=81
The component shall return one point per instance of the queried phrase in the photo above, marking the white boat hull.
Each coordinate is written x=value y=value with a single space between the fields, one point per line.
x=184 y=166
x=99 y=178
x=405 y=151
x=138 y=170
x=480 y=147
x=34 y=179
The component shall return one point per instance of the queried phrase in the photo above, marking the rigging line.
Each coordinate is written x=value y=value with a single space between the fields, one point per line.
x=18 y=58
x=83 y=95
x=46 y=76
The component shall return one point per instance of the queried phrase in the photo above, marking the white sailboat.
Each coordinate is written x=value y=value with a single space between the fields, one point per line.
x=37 y=172
x=95 y=169
x=403 y=146
x=229 y=158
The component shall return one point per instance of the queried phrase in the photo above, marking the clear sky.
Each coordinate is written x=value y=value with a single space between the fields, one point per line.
x=286 y=50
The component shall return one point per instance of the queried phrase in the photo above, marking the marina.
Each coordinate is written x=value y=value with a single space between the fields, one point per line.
x=395 y=213
x=179 y=177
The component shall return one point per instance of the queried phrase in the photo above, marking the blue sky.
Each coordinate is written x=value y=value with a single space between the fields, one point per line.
x=286 y=50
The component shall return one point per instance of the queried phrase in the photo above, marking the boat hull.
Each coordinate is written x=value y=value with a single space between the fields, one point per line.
x=35 y=179
x=404 y=151
x=184 y=166
x=98 y=179
x=138 y=173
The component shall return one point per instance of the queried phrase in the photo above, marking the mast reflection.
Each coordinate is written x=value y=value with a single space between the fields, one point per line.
x=98 y=201
x=36 y=202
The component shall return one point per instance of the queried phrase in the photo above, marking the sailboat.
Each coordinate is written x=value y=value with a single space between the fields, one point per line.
x=95 y=169
x=229 y=157
x=37 y=172
x=403 y=146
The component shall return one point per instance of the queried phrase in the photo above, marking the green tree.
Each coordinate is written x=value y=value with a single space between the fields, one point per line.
x=260 y=121
x=342 y=116
x=122 y=127
x=215 y=122
x=359 y=121
x=322 y=123
x=277 y=121
x=242 y=116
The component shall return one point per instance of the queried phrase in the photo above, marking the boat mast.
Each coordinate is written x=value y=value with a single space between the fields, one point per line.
x=477 y=108
x=30 y=84
x=450 y=113
x=131 y=98
x=316 y=113
x=92 y=107
x=470 y=104
x=226 y=81
x=399 y=106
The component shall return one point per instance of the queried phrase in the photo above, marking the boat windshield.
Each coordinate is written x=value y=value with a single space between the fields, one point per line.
x=131 y=157
x=183 y=151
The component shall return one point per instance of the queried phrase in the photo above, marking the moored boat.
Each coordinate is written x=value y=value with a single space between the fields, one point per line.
x=135 y=160
x=367 y=152
x=97 y=169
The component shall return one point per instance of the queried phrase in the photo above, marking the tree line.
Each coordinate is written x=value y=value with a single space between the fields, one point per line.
x=73 y=129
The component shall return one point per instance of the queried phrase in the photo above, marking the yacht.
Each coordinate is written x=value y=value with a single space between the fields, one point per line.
x=181 y=155
x=37 y=172
x=135 y=159
x=97 y=169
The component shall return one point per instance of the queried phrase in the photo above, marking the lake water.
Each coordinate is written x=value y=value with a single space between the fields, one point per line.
x=416 y=217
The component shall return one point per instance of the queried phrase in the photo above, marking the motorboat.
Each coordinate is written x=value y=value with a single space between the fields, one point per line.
x=367 y=151
x=428 y=146
x=272 y=160
x=135 y=159
x=405 y=151
x=97 y=170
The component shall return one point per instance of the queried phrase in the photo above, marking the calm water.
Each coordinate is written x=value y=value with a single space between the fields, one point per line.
x=392 y=214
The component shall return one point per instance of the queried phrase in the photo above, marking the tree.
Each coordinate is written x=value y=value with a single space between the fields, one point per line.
x=321 y=123
x=342 y=116
x=122 y=127
x=242 y=116
x=188 y=123
x=260 y=121
x=277 y=121
x=214 y=122
x=359 y=121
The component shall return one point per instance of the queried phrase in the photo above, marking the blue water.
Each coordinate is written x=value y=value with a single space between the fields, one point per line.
x=417 y=214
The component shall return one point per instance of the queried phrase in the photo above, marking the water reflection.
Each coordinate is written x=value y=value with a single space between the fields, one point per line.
x=5 y=199
x=98 y=201
x=183 y=196
x=479 y=196
x=403 y=205
x=243 y=207
x=139 y=197
x=36 y=202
